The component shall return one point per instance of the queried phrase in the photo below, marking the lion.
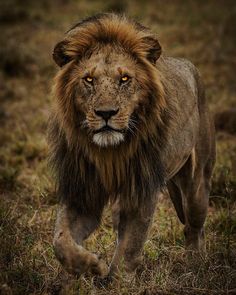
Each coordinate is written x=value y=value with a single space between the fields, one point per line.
x=128 y=123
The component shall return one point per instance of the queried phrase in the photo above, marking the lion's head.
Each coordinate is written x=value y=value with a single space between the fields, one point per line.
x=106 y=82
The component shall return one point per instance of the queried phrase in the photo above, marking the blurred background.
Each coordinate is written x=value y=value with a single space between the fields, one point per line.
x=203 y=32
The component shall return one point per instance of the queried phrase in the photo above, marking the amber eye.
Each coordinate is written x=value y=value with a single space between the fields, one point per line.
x=124 y=79
x=89 y=79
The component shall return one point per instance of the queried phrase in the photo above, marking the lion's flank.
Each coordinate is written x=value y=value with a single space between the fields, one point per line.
x=88 y=176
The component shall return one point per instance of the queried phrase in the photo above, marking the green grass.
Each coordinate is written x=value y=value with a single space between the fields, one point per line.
x=203 y=32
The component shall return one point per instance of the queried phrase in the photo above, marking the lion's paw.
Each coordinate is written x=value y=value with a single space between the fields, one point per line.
x=77 y=260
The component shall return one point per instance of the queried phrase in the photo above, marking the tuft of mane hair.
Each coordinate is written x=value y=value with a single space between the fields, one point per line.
x=107 y=29
x=89 y=176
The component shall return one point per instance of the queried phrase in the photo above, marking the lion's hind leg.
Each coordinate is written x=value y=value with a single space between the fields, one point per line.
x=196 y=211
x=195 y=189
x=70 y=231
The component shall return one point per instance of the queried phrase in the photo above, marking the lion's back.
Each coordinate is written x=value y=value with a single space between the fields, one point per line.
x=182 y=73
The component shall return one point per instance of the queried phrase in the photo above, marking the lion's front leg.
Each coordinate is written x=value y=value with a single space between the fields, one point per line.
x=132 y=233
x=70 y=231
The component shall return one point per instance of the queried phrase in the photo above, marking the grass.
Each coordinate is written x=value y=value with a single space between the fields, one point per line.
x=203 y=32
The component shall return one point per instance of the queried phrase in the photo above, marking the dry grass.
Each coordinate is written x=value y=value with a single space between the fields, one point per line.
x=205 y=33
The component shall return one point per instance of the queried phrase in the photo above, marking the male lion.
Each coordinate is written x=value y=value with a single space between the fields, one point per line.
x=127 y=123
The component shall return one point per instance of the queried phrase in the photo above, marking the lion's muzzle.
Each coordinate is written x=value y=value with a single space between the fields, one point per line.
x=107 y=135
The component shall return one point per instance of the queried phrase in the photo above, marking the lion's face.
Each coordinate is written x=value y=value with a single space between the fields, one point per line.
x=108 y=82
x=107 y=95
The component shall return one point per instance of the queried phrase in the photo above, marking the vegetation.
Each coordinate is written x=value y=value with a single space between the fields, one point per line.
x=202 y=31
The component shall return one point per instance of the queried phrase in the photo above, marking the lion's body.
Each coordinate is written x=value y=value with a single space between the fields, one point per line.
x=159 y=134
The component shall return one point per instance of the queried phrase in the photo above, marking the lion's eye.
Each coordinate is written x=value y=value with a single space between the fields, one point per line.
x=89 y=79
x=124 y=79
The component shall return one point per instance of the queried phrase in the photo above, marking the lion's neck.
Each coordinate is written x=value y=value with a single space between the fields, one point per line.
x=133 y=170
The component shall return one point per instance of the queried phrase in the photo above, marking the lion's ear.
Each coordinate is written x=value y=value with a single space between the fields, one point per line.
x=153 y=49
x=59 y=54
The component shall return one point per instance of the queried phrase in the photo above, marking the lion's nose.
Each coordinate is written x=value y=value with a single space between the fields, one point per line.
x=106 y=115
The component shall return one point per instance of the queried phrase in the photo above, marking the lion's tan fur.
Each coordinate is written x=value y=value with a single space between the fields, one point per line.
x=172 y=144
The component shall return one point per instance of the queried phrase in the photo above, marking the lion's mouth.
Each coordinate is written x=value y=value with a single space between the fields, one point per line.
x=108 y=128
x=108 y=136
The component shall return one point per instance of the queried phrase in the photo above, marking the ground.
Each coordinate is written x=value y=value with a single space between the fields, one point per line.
x=202 y=31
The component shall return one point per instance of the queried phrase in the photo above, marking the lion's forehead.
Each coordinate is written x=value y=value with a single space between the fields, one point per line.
x=110 y=64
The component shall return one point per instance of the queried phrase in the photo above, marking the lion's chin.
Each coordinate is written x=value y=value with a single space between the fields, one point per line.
x=105 y=139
